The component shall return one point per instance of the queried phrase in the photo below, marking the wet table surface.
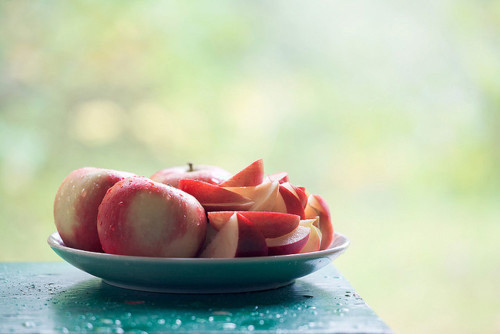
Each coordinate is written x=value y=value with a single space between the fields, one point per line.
x=56 y=297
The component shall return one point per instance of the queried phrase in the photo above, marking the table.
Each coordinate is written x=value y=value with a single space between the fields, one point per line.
x=56 y=297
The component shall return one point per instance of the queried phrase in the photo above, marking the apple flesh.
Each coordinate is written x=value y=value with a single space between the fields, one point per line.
x=215 y=197
x=237 y=238
x=76 y=203
x=252 y=175
x=291 y=243
x=270 y=224
x=317 y=207
x=206 y=173
x=141 y=217
x=314 y=242
x=280 y=177
x=264 y=195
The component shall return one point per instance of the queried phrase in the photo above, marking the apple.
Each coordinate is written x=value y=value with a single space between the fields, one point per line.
x=252 y=175
x=210 y=235
x=206 y=173
x=141 y=217
x=76 y=204
x=292 y=202
x=301 y=194
x=314 y=242
x=280 y=177
x=214 y=197
x=317 y=207
x=264 y=195
x=270 y=224
x=237 y=238
x=291 y=243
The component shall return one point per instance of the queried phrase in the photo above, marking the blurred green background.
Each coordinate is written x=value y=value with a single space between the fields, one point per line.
x=390 y=110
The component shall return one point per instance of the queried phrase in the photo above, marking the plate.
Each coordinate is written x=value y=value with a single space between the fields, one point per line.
x=197 y=275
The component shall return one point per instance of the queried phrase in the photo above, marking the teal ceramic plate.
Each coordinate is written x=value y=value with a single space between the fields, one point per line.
x=196 y=275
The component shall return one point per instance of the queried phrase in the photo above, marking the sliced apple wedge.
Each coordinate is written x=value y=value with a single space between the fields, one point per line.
x=264 y=195
x=292 y=201
x=317 y=207
x=280 y=177
x=314 y=242
x=213 y=197
x=279 y=204
x=209 y=237
x=299 y=192
x=251 y=175
x=238 y=238
x=291 y=243
x=302 y=195
x=270 y=224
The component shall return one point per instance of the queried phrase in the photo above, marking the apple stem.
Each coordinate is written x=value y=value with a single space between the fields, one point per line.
x=190 y=164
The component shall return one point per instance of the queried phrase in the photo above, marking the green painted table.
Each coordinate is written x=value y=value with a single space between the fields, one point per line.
x=56 y=297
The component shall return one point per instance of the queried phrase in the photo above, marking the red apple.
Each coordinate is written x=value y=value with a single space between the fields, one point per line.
x=270 y=224
x=291 y=243
x=76 y=204
x=314 y=242
x=205 y=173
x=317 y=207
x=141 y=217
x=251 y=175
x=238 y=238
x=214 y=197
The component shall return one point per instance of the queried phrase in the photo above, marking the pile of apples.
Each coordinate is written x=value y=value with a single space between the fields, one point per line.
x=190 y=211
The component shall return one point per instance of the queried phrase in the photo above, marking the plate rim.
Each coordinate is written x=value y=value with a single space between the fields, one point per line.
x=55 y=242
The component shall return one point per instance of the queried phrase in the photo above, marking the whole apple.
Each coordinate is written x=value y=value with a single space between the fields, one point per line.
x=76 y=204
x=206 y=173
x=141 y=217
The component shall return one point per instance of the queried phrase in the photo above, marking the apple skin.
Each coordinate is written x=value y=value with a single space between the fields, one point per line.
x=214 y=197
x=76 y=204
x=140 y=217
x=292 y=201
x=317 y=207
x=270 y=224
x=206 y=173
x=291 y=243
x=252 y=175
x=237 y=238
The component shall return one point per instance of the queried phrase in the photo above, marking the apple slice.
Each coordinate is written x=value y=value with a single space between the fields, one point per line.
x=302 y=195
x=251 y=175
x=314 y=242
x=270 y=224
x=264 y=195
x=280 y=177
x=292 y=201
x=317 y=207
x=238 y=238
x=300 y=192
x=290 y=243
x=209 y=237
x=279 y=204
x=214 y=197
